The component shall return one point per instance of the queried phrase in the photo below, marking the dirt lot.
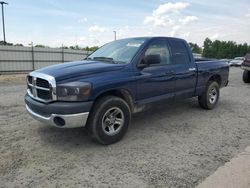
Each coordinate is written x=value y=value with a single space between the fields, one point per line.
x=171 y=146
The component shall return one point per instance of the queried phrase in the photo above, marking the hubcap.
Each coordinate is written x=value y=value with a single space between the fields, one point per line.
x=213 y=95
x=112 y=121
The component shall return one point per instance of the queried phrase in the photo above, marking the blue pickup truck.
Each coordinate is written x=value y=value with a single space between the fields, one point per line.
x=102 y=91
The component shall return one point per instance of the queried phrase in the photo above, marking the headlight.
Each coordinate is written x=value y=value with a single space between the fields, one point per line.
x=73 y=91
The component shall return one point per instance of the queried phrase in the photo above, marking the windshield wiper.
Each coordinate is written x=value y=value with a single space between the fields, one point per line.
x=87 y=58
x=109 y=59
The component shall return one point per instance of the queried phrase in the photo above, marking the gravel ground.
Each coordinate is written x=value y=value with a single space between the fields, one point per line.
x=171 y=145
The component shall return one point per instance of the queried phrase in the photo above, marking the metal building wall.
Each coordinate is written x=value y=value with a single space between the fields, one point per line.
x=24 y=59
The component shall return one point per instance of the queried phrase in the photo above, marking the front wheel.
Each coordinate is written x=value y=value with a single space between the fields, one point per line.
x=246 y=76
x=109 y=119
x=210 y=97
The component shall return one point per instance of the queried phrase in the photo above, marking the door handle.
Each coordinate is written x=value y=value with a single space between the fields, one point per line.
x=192 y=69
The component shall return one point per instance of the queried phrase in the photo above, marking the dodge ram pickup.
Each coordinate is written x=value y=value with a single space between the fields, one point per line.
x=102 y=91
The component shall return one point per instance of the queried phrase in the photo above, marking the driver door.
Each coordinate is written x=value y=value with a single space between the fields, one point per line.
x=156 y=80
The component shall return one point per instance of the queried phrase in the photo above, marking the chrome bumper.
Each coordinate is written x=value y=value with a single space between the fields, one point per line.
x=66 y=120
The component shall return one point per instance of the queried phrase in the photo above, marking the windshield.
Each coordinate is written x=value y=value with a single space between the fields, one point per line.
x=119 y=51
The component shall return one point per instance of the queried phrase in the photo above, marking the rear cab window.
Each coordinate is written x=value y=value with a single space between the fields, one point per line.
x=179 y=52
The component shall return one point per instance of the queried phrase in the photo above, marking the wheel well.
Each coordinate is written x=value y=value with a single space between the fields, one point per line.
x=216 y=78
x=122 y=93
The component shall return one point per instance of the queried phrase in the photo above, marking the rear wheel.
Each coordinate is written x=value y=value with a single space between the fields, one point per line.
x=109 y=119
x=210 y=97
x=246 y=76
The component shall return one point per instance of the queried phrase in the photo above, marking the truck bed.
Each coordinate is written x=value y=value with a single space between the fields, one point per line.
x=203 y=59
x=207 y=68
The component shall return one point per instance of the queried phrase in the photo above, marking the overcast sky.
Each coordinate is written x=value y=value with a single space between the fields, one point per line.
x=57 y=22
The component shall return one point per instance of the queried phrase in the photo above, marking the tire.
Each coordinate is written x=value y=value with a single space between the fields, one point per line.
x=109 y=120
x=210 y=97
x=246 y=76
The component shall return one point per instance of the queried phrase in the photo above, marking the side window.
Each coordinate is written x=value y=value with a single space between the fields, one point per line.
x=159 y=47
x=179 y=52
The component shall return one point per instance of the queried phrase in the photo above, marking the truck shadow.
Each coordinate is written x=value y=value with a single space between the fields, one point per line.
x=152 y=117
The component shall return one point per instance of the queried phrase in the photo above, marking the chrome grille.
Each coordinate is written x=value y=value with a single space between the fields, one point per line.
x=41 y=86
x=42 y=83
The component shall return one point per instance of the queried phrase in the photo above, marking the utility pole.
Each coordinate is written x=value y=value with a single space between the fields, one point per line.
x=62 y=54
x=115 y=34
x=2 y=3
x=32 y=56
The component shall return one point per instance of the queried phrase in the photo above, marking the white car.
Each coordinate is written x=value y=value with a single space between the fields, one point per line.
x=237 y=61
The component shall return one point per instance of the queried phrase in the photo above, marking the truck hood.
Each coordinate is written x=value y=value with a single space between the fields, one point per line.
x=79 y=68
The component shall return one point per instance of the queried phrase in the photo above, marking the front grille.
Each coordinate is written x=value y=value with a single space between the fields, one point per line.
x=30 y=79
x=46 y=95
x=40 y=88
x=30 y=89
x=42 y=83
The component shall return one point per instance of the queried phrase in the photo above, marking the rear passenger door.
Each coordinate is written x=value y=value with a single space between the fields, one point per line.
x=185 y=69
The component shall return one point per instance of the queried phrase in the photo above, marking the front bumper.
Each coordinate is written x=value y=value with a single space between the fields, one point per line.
x=62 y=121
x=59 y=114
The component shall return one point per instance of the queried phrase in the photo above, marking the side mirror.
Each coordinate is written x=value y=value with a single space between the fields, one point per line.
x=149 y=60
x=153 y=59
x=142 y=65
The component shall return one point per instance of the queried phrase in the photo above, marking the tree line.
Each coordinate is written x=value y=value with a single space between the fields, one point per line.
x=76 y=47
x=210 y=49
x=220 y=49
